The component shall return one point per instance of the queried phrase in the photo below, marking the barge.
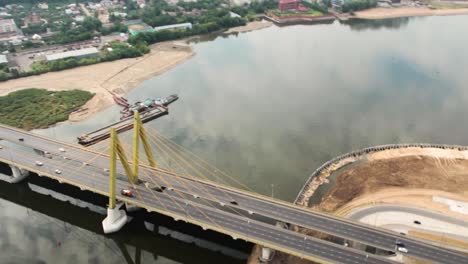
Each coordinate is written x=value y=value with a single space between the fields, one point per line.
x=149 y=110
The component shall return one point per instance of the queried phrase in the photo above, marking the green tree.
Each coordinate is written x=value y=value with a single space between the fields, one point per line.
x=91 y=24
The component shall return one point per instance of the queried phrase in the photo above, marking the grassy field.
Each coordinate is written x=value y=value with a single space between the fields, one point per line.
x=37 y=108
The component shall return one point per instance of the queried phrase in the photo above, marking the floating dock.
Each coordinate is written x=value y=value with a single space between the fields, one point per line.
x=125 y=124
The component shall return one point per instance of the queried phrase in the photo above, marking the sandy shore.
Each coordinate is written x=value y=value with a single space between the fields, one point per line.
x=251 y=26
x=117 y=77
x=381 y=13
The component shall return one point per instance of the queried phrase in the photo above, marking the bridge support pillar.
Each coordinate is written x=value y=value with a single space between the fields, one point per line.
x=267 y=254
x=115 y=219
x=18 y=174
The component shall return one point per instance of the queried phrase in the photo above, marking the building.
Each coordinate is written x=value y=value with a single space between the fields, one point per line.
x=337 y=4
x=137 y=26
x=3 y=59
x=4 y=14
x=79 y=18
x=43 y=5
x=135 y=31
x=78 y=54
x=140 y=3
x=288 y=5
x=32 y=18
x=234 y=15
x=119 y=14
x=8 y=27
x=36 y=37
x=174 y=26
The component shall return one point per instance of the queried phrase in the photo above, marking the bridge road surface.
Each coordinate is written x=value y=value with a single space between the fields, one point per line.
x=280 y=211
x=241 y=227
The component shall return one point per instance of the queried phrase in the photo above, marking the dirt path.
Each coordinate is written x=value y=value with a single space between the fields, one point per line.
x=117 y=77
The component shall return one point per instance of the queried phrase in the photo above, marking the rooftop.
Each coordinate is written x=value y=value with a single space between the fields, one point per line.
x=73 y=53
x=185 y=25
x=287 y=1
x=3 y=59
x=5 y=22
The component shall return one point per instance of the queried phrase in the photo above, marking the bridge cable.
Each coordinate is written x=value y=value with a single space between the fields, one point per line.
x=205 y=190
x=202 y=161
x=182 y=196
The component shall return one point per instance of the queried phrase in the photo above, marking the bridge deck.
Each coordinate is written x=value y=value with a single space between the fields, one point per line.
x=279 y=211
x=198 y=214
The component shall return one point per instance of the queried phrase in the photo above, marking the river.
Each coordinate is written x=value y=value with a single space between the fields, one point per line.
x=268 y=107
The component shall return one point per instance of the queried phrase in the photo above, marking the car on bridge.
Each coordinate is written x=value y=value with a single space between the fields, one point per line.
x=400 y=246
x=126 y=192
x=402 y=249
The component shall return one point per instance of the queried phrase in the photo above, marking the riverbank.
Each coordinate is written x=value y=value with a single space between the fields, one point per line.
x=251 y=26
x=106 y=78
x=382 y=13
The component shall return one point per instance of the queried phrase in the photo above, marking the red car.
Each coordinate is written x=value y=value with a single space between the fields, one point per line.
x=127 y=193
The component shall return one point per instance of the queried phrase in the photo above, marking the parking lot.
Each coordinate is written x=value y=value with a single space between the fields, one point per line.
x=25 y=59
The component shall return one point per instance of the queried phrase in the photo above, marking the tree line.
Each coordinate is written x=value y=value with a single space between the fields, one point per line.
x=355 y=5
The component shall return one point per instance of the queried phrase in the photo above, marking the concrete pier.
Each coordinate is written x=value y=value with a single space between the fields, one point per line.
x=115 y=219
x=267 y=254
x=18 y=174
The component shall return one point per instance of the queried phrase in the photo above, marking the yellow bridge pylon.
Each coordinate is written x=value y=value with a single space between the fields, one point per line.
x=116 y=149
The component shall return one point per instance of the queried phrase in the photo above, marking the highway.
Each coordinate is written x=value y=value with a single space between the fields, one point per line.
x=207 y=217
x=257 y=204
x=406 y=209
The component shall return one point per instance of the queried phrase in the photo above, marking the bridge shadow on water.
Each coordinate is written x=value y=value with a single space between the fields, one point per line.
x=154 y=233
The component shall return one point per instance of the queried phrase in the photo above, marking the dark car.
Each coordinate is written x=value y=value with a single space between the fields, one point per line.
x=399 y=243
x=417 y=222
x=126 y=192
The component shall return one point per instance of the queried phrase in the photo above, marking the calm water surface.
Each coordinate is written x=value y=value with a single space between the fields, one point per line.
x=269 y=107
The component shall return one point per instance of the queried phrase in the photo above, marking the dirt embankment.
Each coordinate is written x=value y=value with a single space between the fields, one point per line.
x=405 y=173
x=381 y=13
x=105 y=78
x=398 y=174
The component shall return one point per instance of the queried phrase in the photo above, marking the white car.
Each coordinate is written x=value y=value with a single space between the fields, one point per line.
x=58 y=171
x=62 y=149
x=402 y=249
x=39 y=163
